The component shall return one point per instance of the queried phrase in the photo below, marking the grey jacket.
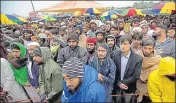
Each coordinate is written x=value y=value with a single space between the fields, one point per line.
x=50 y=75
x=66 y=53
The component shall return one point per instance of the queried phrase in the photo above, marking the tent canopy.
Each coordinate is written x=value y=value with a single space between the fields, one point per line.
x=73 y=6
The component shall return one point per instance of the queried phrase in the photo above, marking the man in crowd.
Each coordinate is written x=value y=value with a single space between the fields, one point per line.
x=115 y=32
x=171 y=33
x=163 y=45
x=93 y=28
x=106 y=68
x=136 y=43
x=50 y=75
x=72 y=50
x=82 y=36
x=82 y=86
x=161 y=82
x=145 y=28
x=111 y=41
x=91 y=47
x=150 y=62
x=108 y=28
x=121 y=25
x=33 y=68
x=100 y=36
x=128 y=70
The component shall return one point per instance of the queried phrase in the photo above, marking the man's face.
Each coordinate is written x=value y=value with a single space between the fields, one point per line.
x=166 y=21
x=121 y=25
x=153 y=24
x=36 y=40
x=136 y=24
x=62 y=32
x=124 y=46
x=16 y=53
x=171 y=33
x=114 y=31
x=27 y=35
x=110 y=42
x=71 y=83
x=72 y=43
x=157 y=32
x=31 y=48
x=101 y=52
x=77 y=31
x=108 y=27
x=100 y=37
x=93 y=26
x=147 y=50
x=136 y=42
x=144 y=29
x=90 y=46
x=37 y=59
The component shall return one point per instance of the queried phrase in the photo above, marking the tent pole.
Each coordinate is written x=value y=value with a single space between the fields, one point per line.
x=32 y=5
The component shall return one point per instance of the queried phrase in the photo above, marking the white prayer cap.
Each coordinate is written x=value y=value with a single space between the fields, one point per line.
x=33 y=44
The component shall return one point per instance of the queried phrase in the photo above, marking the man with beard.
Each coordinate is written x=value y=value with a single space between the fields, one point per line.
x=33 y=68
x=93 y=28
x=166 y=22
x=91 y=47
x=163 y=45
x=81 y=83
x=50 y=75
x=161 y=82
x=150 y=62
x=100 y=36
x=108 y=28
x=121 y=25
x=27 y=34
x=111 y=41
x=105 y=67
x=72 y=50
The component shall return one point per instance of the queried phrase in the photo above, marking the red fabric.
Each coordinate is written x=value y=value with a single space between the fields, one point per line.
x=132 y=12
x=91 y=40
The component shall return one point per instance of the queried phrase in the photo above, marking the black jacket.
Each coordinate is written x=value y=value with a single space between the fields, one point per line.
x=132 y=71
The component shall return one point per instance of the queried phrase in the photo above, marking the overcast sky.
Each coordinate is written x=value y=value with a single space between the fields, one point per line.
x=23 y=8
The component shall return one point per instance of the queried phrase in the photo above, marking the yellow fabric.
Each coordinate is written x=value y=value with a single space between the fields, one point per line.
x=5 y=20
x=139 y=12
x=22 y=19
x=168 y=7
x=77 y=13
x=160 y=88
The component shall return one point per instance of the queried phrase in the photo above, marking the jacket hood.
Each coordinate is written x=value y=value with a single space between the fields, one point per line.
x=104 y=45
x=167 y=66
x=22 y=49
x=46 y=53
x=90 y=76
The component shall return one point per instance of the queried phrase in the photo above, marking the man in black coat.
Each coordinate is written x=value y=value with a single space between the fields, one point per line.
x=128 y=70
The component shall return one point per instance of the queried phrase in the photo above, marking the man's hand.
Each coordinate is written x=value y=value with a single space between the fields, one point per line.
x=123 y=86
x=27 y=84
x=100 y=77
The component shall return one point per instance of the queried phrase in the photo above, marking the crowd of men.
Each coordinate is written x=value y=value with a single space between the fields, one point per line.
x=129 y=59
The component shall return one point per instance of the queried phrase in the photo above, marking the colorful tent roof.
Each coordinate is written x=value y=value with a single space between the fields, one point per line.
x=73 y=6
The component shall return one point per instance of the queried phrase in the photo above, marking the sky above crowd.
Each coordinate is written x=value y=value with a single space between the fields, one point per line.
x=23 y=8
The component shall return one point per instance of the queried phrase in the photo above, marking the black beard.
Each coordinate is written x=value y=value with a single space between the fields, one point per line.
x=73 y=47
x=90 y=51
x=171 y=78
x=121 y=28
x=73 y=91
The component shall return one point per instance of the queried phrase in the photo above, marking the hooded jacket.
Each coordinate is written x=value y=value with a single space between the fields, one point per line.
x=20 y=73
x=89 y=91
x=106 y=68
x=50 y=75
x=160 y=88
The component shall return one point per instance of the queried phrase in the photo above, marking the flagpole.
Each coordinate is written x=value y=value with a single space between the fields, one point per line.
x=32 y=5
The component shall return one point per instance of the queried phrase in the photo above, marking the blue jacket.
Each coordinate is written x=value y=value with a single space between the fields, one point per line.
x=90 y=90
